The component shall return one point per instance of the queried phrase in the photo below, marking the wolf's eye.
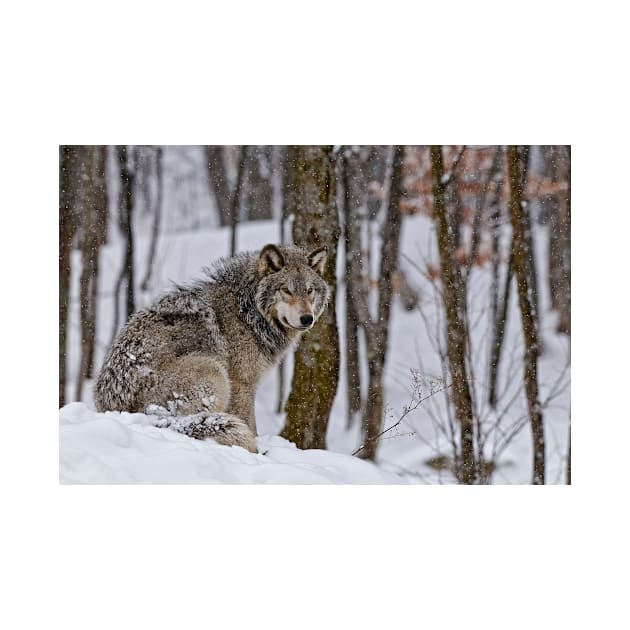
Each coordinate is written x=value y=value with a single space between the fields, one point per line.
x=310 y=291
x=285 y=290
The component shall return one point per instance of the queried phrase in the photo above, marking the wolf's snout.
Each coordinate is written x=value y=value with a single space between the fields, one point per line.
x=306 y=320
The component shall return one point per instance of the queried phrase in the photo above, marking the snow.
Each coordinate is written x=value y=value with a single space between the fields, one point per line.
x=123 y=448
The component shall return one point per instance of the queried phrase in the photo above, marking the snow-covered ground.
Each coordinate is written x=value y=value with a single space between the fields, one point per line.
x=114 y=448
x=117 y=447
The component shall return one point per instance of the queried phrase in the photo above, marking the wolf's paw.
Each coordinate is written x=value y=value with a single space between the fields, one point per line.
x=163 y=415
x=223 y=428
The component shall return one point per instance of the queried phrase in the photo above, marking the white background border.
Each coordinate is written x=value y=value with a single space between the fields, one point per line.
x=312 y=557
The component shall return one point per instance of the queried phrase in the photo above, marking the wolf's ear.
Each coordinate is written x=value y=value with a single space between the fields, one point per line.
x=270 y=260
x=317 y=259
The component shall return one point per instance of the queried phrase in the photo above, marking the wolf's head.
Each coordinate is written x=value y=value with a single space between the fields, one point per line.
x=291 y=290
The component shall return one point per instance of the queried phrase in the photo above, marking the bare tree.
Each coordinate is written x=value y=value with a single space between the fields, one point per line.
x=560 y=237
x=219 y=182
x=454 y=296
x=67 y=229
x=354 y=196
x=523 y=263
x=93 y=235
x=125 y=223
x=316 y=360
x=157 y=218
x=286 y=201
x=258 y=183
x=236 y=197
x=377 y=328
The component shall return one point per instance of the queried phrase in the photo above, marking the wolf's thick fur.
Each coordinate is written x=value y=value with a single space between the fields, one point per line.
x=195 y=357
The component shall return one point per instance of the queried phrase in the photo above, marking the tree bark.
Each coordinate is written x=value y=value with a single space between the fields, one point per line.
x=519 y=215
x=284 y=216
x=236 y=198
x=354 y=187
x=93 y=230
x=499 y=303
x=376 y=171
x=258 y=185
x=316 y=360
x=377 y=330
x=67 y=195
x=157 y=218
x=454 y=295
x=498 y=334
x=127 y=181
x=560 y=238
x=482 y=202
x=218 y=182
x=125 y=223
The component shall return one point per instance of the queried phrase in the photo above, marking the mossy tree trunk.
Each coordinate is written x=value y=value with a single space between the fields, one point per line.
x=316 y=360
x=454 y=296
x=523 y=267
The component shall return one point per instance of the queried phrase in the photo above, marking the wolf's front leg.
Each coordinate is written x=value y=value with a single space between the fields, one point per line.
x=242 y=404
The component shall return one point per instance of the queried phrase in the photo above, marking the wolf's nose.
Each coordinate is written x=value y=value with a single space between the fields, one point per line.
x=306 y=320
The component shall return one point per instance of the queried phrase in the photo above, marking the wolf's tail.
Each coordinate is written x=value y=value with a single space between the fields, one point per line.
x=223 y=428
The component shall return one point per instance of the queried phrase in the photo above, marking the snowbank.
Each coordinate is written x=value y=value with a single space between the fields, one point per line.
x=124 y=448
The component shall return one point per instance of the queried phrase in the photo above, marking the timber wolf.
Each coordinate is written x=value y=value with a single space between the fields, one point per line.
x=194 y=358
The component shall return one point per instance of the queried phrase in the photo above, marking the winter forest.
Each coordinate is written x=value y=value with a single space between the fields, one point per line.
x=443 y=357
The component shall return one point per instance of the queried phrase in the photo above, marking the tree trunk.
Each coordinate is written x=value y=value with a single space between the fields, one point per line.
x=376 y=170
x=125 y=223
x=236 y=198
x=316 y=365
x=127 y=181
x=560 y=238
x=259 y=189
x=353 y=197
x=67 y=195
x=218 y=182
x=453 y=291
x=481 y=203
x=93 y=230
x=499 y=305
x=377 y=332
x=157 y=218
x=284 y=216
x=519 y=215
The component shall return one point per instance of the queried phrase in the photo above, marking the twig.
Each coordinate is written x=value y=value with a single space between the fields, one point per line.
x=406 y=412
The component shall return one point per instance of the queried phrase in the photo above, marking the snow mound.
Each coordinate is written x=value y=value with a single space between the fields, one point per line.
x=119 y=447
